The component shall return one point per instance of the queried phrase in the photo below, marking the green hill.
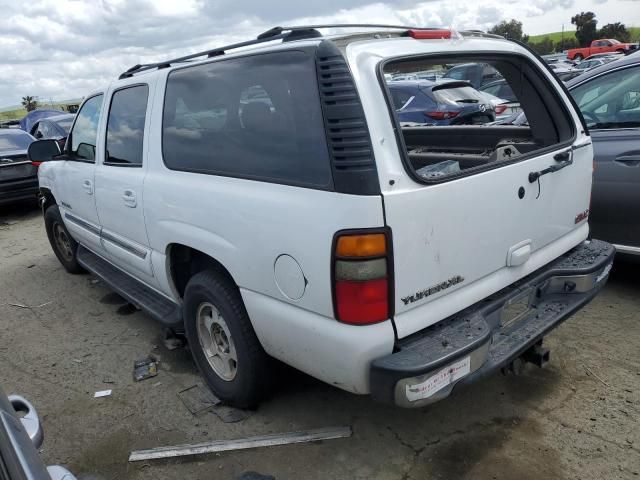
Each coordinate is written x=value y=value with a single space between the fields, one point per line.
x=556 y=36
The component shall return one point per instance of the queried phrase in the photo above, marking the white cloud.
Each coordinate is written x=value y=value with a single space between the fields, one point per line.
x=66 y=48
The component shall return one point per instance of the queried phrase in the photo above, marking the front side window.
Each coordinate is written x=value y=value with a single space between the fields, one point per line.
x=611 y=100
x=256 y=117
x=84 y=135
x=125 y=126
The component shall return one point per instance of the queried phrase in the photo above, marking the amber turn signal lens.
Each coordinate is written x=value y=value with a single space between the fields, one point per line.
x=370 y=245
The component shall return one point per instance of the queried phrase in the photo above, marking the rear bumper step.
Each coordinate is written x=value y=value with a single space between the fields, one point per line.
x=489 y=335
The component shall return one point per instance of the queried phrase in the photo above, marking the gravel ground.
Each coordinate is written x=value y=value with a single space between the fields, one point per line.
x=577 y=418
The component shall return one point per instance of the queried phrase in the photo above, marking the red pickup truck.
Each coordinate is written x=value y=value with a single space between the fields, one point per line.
x=603 y=45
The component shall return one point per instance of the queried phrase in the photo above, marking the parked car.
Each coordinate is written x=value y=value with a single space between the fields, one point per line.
x=27 y=122
x=478 y=74
x=604 y=45
x=397 y=262
x=447 y=103
x=507 y=103
x=22 y=435
x=609 y=98
x=589 y=64
x=56 y=127
x=566 y=75
x=18 y=176
x=606 y=56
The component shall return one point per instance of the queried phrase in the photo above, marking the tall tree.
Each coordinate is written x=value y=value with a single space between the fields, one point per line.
x=511 y=29
x=615 y=30
x=29 y=103
x=585 y=23
x=544 y=46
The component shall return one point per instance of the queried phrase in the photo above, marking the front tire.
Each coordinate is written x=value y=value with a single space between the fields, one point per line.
x=578 y=58
x=223 y=343
x=62 y=243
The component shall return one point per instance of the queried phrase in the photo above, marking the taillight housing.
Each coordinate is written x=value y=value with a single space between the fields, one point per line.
x=499 y=109
x=442 y=114
x=362 y=276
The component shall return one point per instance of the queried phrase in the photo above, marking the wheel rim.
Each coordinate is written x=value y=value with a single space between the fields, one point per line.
x=63 y=242
x=216 y=342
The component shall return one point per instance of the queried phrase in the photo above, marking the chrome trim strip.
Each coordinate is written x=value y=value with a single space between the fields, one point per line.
x=124 y=245
x=81 y=223
x=627 y=249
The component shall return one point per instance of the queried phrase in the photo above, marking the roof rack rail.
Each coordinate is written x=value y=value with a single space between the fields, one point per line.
x=275 y=33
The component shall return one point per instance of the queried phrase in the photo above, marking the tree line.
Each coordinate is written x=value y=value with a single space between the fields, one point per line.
x=586 y=32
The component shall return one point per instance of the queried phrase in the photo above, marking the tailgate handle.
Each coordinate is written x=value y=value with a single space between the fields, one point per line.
x=519 y=253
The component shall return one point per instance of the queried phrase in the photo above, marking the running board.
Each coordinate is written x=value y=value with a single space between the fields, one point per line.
x=135 y=292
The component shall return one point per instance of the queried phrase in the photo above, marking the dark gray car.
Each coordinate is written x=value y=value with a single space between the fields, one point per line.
x=609 y=98
x=20 y=437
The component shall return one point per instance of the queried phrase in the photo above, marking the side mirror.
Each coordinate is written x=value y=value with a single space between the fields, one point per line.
x=43 y=150
x=29 y=419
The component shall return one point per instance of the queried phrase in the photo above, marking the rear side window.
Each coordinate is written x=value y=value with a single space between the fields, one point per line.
x=125 y=126
x=472 y=128
x=256 y=117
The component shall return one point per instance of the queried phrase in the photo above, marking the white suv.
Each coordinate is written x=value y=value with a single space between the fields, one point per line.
x=271 y=203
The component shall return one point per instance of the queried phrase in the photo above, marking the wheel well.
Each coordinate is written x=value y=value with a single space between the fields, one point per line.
x=47 y=199
x=185 y=262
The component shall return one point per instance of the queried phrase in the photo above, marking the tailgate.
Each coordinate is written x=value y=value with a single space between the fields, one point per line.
x=457 y=242
x=478 y=207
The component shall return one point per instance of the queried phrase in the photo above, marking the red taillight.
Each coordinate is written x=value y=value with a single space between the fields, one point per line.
x=362 y=303
x=429 y=34
x=499 y=109
x=442 y=115
x=361 y=272
x=36 y=164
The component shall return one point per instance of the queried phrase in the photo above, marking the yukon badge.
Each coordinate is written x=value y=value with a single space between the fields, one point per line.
x=431 y=290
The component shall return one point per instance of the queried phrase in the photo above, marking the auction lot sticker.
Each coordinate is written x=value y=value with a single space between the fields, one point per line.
x=438 y=381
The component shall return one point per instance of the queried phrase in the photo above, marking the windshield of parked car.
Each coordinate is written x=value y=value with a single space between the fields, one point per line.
x=65 y=124
x=611 y=100
x=14 y=141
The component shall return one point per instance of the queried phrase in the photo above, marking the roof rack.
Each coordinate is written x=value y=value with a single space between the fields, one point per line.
x=276 y=33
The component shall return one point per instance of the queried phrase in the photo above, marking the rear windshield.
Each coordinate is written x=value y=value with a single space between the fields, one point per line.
x=14 y=141
x=468 y=125
x=455 y=95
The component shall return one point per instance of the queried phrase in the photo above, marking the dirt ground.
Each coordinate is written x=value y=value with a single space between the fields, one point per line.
x=577 y=418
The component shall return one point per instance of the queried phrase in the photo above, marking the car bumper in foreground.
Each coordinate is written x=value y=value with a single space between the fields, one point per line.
x=16 y=190
x=491 y=334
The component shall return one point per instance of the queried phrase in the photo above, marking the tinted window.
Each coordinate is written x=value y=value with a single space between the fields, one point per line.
x=14 y=141
x=254 y=117
x=85 y=131
x=125 y=126
x=611 y=100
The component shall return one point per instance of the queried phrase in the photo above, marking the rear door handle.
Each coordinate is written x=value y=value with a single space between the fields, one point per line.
x=629 y=160
x=88 y=186
x=129 y=198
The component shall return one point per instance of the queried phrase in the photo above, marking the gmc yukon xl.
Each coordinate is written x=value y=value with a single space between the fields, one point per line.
x=268 y=202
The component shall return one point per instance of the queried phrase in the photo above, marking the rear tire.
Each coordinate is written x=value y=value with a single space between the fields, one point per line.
x=223 y=343
x=62 y=243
